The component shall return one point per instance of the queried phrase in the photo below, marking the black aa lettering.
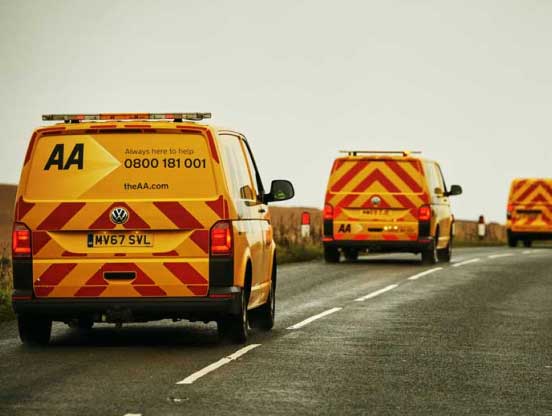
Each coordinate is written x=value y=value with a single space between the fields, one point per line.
x=56 y=158
x=75 y=158
x=345 y=228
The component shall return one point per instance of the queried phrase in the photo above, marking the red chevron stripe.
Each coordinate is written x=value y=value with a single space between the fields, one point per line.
x=179 y=215
x=405 y=177
x=90 y=291
x=55 y=273
x=202 y=290
x=172 y=253
x=103 y=222
x=43 y=291
x=376 y=176
x=40 y=239
x=348 y=176
x=23 y=208
x=528 y=192
x=150 y=291
x=185 y=273
x=201 y=238
x=217 y=206
x=61 y=216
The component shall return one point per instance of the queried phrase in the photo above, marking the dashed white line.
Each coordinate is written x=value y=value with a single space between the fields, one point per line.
x=376 y=293
x=212 y=367
x=466 y=262
x=417 y=276
x=314 y=318
x=527 y=251
x=497 y=256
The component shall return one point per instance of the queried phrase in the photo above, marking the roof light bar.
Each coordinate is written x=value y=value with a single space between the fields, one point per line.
x=125 y=116
x=381 y=152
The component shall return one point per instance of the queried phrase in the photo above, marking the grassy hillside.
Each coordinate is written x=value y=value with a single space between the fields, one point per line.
x=7 y=200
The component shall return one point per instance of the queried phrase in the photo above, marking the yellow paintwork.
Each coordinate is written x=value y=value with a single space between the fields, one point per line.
x=530 y=201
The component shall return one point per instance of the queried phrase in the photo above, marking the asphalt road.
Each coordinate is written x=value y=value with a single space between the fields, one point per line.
x=380 y=336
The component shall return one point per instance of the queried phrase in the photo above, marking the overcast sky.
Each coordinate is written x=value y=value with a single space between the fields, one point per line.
x=468 y=82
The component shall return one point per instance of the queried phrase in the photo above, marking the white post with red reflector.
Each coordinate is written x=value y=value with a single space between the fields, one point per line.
x=305 y=224
x=481 y=227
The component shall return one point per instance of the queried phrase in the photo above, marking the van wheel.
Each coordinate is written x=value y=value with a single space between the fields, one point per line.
x=445 y=254
x=235 y=328
x=429 y=254
x=351 y=255
x=331 y=255
x=527 y=243
x=263 y=316
x=34 y=331
x=512 y=241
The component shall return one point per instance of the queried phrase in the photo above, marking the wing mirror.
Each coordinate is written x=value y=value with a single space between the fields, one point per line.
x=454 y=190
x=280 y=190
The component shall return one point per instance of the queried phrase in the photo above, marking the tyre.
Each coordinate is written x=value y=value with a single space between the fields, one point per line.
x=527 y=243
x=512 y=241
x=331 y=255
x=351 y=255
x=429 y=254
x=445 y=254
x=34 y=331
x=263 y=316
x=235 y=328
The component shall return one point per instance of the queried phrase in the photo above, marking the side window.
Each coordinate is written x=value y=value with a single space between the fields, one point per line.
x=431 y=178
x=441 y=178
x=235 y=167
x=256 y=177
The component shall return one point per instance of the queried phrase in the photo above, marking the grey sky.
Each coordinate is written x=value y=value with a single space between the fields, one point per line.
x=469 y=82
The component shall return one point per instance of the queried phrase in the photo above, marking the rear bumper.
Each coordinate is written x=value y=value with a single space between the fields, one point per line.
x=382 y=246
x=533 y=235
x=132 y=309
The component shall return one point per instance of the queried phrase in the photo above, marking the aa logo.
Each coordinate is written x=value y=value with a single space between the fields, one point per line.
x=344 y=228
x=76 y=157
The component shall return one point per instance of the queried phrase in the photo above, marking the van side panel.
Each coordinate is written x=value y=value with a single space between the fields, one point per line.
x=531 y=206
x=376 y=199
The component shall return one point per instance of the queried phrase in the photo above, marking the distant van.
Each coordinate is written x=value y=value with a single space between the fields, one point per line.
x=138 y=217
x=529 y=212
x=387 y=202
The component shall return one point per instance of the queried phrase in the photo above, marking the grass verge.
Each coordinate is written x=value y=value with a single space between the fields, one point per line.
x=293 y=252
x=6 y=311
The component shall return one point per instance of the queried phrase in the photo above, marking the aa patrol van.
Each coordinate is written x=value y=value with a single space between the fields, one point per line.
x=387 y=202
x=139 y=217
x=529 y=212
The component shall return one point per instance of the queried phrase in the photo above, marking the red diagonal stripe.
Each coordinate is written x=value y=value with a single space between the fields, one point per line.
x=90 y=291
x=199 y=290
x=405 y=177
x=40 y=239
x=528 y=191
x=61 y=215
x=201 y=238
x=23 y=208
x=150 y=291
x=55 y=273
x=185 y=273
x=376 y=176
x=217 y=206
x=348 y=176
x=179 y=215
x=344 y=203
x=42 y=291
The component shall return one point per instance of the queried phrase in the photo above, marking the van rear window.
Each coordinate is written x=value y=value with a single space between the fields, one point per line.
x=382 y=176
x=123 y=167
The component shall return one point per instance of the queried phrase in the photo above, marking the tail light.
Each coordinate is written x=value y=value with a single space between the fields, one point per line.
x=21 y=241
x=221 y=240
x=328 y=212
x=424 y=213
x=509 y=211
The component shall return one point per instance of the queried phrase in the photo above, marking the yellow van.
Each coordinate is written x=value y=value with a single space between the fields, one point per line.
x=529 y=212
x=139 y=217
x=387 y=202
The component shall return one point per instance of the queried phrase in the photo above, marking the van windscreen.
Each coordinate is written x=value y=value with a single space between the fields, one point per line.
x=379 y=176
x=121 y=166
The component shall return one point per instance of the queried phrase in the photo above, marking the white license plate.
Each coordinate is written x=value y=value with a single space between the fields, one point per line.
x=106 y=239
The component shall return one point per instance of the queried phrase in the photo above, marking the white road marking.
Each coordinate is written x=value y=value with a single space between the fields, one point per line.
x=466 y=262
x=314 y=318
x=527 y=251
x=223 y=361
x=417 y=276
x=376 y=293
x=497 y=256
x=457 y=259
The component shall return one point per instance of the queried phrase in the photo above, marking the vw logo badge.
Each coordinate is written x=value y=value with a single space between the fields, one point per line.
x=118 y=215
x=376 y=200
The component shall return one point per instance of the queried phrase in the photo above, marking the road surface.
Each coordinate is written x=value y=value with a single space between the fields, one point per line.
x=382 y=336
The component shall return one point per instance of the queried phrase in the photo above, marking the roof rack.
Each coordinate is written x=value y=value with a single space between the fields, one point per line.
x=75 y=118
x=405 y=153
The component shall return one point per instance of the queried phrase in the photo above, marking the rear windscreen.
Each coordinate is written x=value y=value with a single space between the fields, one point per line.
x=531 y=191
x=377 y=176
x=121 y=166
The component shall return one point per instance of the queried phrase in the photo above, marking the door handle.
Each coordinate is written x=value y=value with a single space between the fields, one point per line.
x=262 y=210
